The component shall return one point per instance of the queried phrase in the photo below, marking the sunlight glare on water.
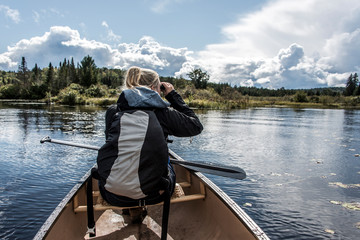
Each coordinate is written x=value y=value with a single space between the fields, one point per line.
x=290 y=156
x=302 y=170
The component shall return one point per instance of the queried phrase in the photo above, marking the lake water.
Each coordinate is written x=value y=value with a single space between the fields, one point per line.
x=302 y=165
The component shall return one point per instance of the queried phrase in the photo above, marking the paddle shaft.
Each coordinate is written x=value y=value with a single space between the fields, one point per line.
x=225 y=171
x=48 y=139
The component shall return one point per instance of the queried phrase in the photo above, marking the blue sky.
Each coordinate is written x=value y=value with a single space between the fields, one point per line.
x=263 y=43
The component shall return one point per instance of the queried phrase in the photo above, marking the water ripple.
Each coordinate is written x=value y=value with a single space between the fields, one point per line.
x=286 y=192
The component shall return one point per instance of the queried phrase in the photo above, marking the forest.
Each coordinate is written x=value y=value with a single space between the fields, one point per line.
x=85 y=83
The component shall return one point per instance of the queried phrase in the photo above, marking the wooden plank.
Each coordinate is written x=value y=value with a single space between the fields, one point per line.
x=202 y=188
x=185 y=184
x=191 y=197
x=76 y=202
x=100 y=207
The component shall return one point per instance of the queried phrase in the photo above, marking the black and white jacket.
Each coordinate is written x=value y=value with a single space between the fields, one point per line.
x=152 y=119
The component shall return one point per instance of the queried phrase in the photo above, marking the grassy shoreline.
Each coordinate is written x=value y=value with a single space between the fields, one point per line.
x=210 y=105
x=279 y=102
x=206 y=99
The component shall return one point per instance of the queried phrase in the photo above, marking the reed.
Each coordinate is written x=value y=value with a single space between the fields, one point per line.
x=208 y=98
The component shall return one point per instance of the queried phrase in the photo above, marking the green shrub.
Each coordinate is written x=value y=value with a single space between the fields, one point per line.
x=70 y=97
x=326 y=100
x=300 y=96
x=96 y=91
x=10 y=91
x=37 y=91
x=102 y=101
x=352 y=101
x=113 y=92
x=77 y=87
x=315 y=99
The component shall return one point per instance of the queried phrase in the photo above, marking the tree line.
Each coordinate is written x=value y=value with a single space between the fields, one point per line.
x=37 y=83
x=40 y=83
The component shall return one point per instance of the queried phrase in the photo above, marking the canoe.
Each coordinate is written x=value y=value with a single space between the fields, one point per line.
x=203 y=211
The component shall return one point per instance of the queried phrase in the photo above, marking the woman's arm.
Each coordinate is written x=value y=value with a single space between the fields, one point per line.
x=179 y=120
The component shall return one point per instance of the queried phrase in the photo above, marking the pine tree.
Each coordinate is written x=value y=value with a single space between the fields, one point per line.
x=88 y=72
x=63 y=74
x=351 y=85
x=50 y=78
x=72 y=72
x=356 y=80
x=23 y=73
x=36 y=74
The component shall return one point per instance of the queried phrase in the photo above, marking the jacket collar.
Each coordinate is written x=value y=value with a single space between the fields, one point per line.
x=142 y=97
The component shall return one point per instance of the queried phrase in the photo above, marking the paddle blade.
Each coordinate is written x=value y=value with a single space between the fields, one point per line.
x=218 y=170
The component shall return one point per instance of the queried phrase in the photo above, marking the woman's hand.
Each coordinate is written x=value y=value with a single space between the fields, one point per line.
x=166 y=88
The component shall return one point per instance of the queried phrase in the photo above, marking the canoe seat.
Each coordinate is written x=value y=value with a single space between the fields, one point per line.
x=101 y=205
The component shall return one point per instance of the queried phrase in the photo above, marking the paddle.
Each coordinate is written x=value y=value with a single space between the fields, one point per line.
x=224 y=171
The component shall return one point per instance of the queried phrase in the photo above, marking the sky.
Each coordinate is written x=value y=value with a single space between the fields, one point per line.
x=262 y=43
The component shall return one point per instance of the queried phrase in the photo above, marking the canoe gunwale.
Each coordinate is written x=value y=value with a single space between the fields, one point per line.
x=233 y=206
x=50 y=221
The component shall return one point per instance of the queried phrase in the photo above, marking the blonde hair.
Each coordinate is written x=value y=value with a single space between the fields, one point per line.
x=136 y=77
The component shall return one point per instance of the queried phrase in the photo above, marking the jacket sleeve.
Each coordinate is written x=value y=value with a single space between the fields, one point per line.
x=179 y=120
x=109 y=115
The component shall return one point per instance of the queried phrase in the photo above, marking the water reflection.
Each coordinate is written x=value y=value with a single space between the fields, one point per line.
x=291 y=156
x=34 y=177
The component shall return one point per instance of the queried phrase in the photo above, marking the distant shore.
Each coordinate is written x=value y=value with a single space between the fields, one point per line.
x=219 y=103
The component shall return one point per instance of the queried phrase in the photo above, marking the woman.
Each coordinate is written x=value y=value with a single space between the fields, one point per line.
x=174 y=117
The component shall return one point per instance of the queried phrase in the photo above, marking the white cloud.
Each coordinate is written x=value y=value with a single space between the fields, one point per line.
x=54 y=46
x=291 y=56
x=160 y=6
x=104 y=24
x=149 y=53
x=5 y=60
x=342 y=51
x=281 y=23
x=292 y=44
x=36 y=16
x=63 y=42
x=43 y=15
x=54 y=11
x=111 y=36
x=337 y=79
x=13 y=14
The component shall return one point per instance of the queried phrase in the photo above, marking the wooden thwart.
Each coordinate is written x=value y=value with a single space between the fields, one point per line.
x=102 y=205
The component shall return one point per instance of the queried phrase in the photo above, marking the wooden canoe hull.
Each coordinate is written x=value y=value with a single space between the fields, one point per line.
x=213 y=216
